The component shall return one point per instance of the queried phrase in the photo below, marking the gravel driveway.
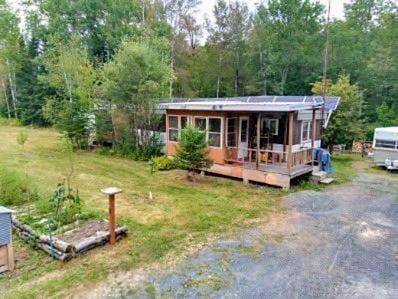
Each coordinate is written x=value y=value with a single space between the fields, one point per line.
x=339 y=243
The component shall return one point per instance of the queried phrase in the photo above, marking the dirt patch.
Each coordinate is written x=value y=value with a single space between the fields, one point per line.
x=87 y=229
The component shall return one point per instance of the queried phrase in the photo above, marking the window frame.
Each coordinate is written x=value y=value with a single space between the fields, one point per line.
x=208 y=132
x=189 y=122
x=308 y=131
x=268 y=121
x=206 y=118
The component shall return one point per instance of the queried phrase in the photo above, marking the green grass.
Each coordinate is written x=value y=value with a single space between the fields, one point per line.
x=182 y=214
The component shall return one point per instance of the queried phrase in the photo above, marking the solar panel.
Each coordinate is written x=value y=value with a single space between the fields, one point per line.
x=331 y=103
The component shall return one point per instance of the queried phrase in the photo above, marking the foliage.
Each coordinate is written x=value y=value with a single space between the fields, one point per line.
x=192 y=151
x=16 y=188
x=65 y=204
x=133 y=95
x=161 y=163
x=71 y=75
x=127 y=54
x=346 y=123
x=22 y=137
x=132 y=145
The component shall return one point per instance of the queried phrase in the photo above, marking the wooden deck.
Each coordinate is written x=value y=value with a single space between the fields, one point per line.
x=268 y=174
x=281 y=169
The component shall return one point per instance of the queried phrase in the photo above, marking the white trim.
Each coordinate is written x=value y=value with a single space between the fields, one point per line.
x=206 y=118
x=302 y=130
x=268 y=120
x=224 y=106
x=221 y=130
x=189 y=121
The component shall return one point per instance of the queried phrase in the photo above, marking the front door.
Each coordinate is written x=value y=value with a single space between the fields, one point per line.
x=243 y=137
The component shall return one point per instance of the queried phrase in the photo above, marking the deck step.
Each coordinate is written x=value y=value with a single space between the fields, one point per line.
x=327 y=181
x=319 y=176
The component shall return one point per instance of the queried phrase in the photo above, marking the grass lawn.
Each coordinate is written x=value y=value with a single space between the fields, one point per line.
x=181 y=216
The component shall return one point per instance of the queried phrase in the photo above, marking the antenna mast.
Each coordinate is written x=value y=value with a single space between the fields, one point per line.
x=325 y=65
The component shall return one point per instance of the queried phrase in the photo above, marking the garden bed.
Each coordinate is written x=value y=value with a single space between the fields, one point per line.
x=67 y=241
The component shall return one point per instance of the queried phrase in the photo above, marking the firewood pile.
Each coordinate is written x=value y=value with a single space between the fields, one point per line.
x=72 y=243
x=359 y=146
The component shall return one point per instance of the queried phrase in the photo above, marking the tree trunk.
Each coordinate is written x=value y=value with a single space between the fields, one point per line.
x=283 y=80
x=67 y=83
x=6 y=99
x=12 y=89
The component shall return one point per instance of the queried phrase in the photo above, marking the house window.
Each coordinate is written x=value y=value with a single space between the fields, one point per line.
x=231 y=131
x=200 y=123
x=176 y=124
x=270 y=126
x=214 y=132
x=185 y=120
x=305 y=131
x=173 y=128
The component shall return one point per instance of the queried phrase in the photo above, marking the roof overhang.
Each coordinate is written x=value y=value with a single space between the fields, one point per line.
x=225 y=106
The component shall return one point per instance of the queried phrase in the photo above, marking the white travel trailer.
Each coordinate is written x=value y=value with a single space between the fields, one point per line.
x=385 y=147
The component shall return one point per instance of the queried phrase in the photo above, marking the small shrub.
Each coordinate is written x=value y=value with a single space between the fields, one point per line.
x=22 y=137
x=192 y=152
x=16 y=188
x=65 y=204
x=161 y=163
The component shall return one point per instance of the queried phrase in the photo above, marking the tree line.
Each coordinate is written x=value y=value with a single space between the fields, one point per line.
x=70 y=60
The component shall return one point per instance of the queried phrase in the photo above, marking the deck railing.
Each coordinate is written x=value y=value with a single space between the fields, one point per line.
x=269 y=158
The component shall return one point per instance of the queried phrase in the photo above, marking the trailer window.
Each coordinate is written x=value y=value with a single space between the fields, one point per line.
x=386 y=143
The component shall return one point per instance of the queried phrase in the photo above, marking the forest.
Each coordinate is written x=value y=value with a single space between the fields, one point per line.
x=65 y=61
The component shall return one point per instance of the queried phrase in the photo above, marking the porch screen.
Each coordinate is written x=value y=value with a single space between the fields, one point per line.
x=231 y=131
x=173 y=128
x=215 y=132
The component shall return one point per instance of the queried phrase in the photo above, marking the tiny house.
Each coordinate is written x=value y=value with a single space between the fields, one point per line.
x=6 y=250
x=266 y=139
x=385 y=147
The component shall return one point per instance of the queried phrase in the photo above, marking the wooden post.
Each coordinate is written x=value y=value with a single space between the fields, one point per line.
x=111 y=192
x=290 y=147
x=313 y=128
x=112 y=219
x=258 y=139
x=313 y=134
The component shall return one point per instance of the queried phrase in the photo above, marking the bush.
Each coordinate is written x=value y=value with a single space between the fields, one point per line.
x=16 y=188
x=161 y=163
x=130 y=145
x=192 y=152
x=10 y=122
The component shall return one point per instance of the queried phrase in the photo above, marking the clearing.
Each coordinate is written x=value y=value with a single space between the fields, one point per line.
x=341 y=243
x=182 y=217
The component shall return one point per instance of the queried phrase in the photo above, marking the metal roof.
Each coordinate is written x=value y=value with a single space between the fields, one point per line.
x=387 y=129
x=253 y=103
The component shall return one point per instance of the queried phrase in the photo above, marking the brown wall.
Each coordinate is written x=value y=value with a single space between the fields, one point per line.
x=220 y=155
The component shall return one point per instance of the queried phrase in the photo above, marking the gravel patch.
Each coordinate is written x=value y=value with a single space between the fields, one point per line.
x=341 y=243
